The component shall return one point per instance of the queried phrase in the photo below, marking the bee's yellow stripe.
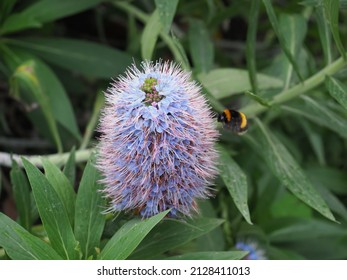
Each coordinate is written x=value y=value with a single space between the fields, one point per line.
x=243 y=120
x=227 y=114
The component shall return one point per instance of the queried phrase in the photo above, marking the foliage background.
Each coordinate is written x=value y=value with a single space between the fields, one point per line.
x=283 y=185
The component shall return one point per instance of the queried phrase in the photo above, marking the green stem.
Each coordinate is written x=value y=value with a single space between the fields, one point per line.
x=58 y=159
x=310 y=83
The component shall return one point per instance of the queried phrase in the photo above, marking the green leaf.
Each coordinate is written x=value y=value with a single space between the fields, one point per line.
x=332 y=178
x=94 y=119
x=21 y=245
x=6 y=6
x=21 y=194
x=89 y=220
x=337 y=90
x=306 y=229
x=335 y=204
x=166 y=10
x=295 y=28
x=236 y=182
x=324 y=34
x=231 y=255
x=173 y=45
x=288 y=171
x=200 y=45
x=52 y=212
x=70 y=167
x=178 y=51
x=287 y=205
x=44 y=11
x=215 y=239
x=58 y=102
x=62 y=186
x=150 y=35
x=316 y=141
x=251 y=42
x=225 y=82
x=281 y=38
x=85 y=57
x=331 y=9
x=171 y=234
x=318 y=113
x=0 y=182
x=26 y=74
x=128 y=237
x=282 y=254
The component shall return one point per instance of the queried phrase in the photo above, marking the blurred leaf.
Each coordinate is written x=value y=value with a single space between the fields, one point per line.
x=57 y=99
x=317 y=112
x=52 y=213
x=26 y=74
x=21 y=245
x=307 y=229
x=315 y=139
x=0 y=182
x=331 y=9
x=279 y=65
x=231 y=255
x=21 y=194
x=333 y=202
x=172 y=44
x=98 y=105
x=324 y=248
x=125 y=240
x=324 y=33
x=85 y=57
x=70 y=167
x=6 y=7
x=213 y=240
x=337 y=90
x=200 y=45
x=44 y=11
x=275 y=253
x=288 y=171
x=289 y=206
x=251 y=42
x=62 y=186
x=171 y=234
x=295 y=28
x=166 y=10
x=133 y=36
x=328 y=177
x=150 y=35
x=281 y=38
x=89 y=220
x=179 y=53
x=228 y=81
x=236 y=182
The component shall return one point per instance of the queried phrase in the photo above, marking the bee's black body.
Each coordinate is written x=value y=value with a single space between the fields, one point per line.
x=234 y=120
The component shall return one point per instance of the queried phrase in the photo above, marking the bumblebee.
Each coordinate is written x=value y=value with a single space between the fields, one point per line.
x=233 y=120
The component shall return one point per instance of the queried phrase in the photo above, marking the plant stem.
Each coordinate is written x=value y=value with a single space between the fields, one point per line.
x=308 y=84
x=58 y=159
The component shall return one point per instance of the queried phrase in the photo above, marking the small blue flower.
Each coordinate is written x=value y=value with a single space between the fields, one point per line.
x=255 y=253
x=157 y=147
